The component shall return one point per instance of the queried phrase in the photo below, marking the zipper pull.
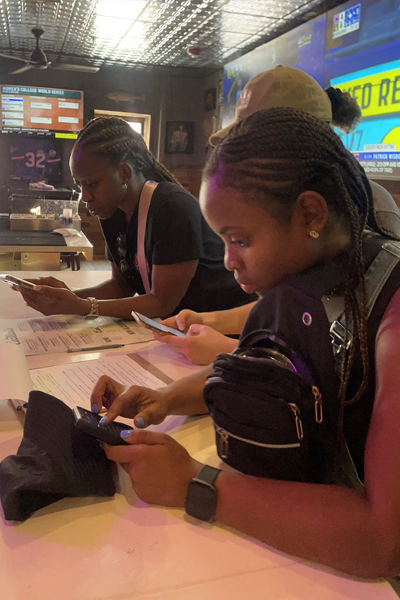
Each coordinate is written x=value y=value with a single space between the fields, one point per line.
x=299 y=426
x=223 y=442
x=319 y=414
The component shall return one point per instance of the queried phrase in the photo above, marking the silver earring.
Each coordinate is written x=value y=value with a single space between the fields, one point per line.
x=314 y=234
x=125 y=186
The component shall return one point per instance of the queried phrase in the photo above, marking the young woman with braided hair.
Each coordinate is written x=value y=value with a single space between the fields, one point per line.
x=111 y=163
x=288 y=200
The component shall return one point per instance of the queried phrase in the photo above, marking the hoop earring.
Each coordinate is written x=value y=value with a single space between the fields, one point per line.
x=314 y=234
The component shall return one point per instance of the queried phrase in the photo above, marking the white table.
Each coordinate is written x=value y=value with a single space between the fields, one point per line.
x=121 y=549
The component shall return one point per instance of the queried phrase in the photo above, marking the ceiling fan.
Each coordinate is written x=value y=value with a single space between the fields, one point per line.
x=38 y=59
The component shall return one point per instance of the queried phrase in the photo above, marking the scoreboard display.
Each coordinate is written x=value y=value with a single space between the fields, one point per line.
x=33 y=109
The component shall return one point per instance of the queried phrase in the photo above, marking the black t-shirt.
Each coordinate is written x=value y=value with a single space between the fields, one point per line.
x=176 y=232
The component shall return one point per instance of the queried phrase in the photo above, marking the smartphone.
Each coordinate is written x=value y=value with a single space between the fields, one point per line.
x=89 y=423
x=155 y=326
x=11 y=280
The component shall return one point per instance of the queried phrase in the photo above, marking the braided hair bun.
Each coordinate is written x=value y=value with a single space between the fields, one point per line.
x=346 y=114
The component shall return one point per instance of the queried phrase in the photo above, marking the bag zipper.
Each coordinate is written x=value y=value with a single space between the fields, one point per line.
x=299 y=425
x=319 y=414
x=223 y=441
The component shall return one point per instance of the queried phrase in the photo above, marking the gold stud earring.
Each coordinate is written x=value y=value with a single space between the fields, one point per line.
x=314 y=234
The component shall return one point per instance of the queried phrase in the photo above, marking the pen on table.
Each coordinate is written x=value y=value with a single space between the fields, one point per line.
x=92 y=348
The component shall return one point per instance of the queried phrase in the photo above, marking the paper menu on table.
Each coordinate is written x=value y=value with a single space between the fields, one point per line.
x=73 y=383
x=15 y=380
x=60 y=333
x=54 y=323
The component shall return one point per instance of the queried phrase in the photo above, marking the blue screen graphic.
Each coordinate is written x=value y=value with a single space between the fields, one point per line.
x=354 y=47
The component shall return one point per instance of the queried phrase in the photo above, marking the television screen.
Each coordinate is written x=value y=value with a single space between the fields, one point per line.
x=301 y=48
x=362 y=57
x=36 y=159
x=40 y=109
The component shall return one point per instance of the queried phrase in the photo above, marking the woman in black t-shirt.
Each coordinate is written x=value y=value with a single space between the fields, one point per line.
x=111 y=163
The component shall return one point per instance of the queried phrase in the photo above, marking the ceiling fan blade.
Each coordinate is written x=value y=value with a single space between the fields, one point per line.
x=21 y=70
x=12 y=57
x=69 y=67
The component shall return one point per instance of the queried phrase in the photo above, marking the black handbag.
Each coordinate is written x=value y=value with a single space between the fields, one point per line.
x=267 y=417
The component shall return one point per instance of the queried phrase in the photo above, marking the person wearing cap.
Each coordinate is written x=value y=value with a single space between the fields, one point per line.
x=284 y=87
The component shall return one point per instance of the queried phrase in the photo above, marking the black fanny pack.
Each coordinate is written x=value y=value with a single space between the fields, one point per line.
x=267 y=411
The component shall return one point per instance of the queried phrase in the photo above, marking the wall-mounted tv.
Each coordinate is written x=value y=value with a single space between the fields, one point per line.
x=34 y=109
x=35 y=159
x=355 y=47
x=301 y=48
x=362 y=56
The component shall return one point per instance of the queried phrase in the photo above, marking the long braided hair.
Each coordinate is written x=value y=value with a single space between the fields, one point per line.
x=272 y=157
x=114 y=139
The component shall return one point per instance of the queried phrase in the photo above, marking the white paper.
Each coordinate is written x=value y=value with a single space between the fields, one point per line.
x=73 y=384
x=67 y=232
x=15 y=380
x=57 y=334
x=54 y=323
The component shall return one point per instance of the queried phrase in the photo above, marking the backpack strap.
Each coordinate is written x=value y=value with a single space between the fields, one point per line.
x=144 y=205
x=375 y=279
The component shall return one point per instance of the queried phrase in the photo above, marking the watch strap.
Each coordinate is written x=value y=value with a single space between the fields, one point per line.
x=202 y=495
x=207 y=475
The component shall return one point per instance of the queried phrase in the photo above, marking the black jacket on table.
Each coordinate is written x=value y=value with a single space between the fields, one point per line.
x=177 y=232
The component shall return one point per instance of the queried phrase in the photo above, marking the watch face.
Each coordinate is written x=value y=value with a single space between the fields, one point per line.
x=201 y=501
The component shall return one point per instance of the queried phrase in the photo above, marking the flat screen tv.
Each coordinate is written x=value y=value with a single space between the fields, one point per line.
x=35 y=159
x=362 y=57
x=354 y=47
x=301 y=48
x=34 y=109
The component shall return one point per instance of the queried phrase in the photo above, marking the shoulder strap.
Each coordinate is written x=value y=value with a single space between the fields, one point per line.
x=144 y=204
x=375 y=279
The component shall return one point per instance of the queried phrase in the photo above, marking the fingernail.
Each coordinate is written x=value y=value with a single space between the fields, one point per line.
x=103 y=420
x=95 y=409
x=37 y=288
x=125 y=433
x=140 y=422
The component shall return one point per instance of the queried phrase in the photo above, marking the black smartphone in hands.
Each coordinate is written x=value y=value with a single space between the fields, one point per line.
x=11 y=280
x=155 y=325
x=89 y=423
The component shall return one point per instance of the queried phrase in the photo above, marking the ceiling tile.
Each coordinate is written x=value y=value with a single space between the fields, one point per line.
x=147 y=32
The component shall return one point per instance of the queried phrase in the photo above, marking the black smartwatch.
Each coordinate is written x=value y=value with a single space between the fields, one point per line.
x=201 y=498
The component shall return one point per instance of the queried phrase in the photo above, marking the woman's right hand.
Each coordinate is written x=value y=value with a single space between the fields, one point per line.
x=183 y=320
x=145 y=406
x=201 y=344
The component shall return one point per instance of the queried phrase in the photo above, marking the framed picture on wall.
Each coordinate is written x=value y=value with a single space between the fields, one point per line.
x=179 y=137
x=210 y=99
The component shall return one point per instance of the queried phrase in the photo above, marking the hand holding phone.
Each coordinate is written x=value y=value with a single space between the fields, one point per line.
x=11 y=280
x=89 y=423
x=155 y=326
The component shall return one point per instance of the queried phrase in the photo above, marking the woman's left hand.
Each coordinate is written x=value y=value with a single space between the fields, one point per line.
x=55 y=301
x=160 y=469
